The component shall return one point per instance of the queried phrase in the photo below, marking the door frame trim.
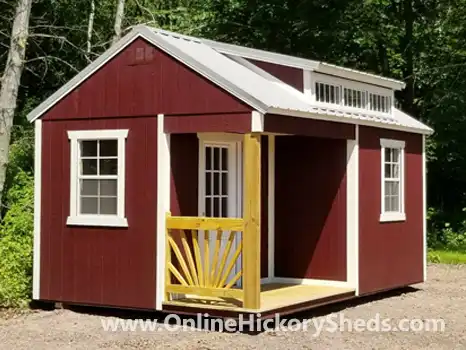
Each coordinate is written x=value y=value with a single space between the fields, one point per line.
x=233 y=141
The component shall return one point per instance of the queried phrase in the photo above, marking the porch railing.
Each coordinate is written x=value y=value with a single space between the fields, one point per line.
x=194 y=266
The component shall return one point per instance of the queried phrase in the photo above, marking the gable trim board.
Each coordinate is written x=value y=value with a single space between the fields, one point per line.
x=262 y=94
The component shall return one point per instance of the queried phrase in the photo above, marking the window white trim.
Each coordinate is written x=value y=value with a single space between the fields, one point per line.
x=312 y=78
x=399 y=215
x=118 y=220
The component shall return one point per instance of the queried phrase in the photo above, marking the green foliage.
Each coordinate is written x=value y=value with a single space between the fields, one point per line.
x=16 y=237
x=446 y=257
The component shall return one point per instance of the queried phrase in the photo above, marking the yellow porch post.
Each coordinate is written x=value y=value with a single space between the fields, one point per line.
x=251 y=215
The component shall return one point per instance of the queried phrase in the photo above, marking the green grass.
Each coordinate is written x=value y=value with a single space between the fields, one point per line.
x=446 y=257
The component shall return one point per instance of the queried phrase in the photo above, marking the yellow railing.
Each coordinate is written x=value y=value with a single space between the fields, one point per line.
x=190 y=272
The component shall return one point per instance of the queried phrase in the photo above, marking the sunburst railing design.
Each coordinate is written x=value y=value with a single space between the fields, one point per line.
x=199 y=265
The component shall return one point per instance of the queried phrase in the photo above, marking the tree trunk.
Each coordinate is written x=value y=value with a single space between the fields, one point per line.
x=11 y=81
x=90 y=28
x=120 y=12
x=408 y=50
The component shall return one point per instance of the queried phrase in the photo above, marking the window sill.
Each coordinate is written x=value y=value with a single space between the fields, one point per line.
x=392 y=217
x=97 y=220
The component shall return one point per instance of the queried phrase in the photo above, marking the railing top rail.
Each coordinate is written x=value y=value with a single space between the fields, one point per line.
x=204 y=223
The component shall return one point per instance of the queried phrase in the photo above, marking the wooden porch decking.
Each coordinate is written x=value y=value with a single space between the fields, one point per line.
x=274 y=298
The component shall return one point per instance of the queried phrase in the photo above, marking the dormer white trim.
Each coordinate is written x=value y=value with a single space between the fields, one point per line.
x=310 y=78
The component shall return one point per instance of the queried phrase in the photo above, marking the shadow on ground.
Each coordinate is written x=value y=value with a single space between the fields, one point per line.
x=162 y=318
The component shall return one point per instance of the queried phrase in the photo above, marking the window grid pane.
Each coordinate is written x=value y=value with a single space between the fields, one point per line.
x=98 y=179
x=327 y=93
x=392 y=179
x=216 y=181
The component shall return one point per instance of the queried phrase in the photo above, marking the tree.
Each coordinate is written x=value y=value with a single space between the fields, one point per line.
x=11 y=81
x=120 y=12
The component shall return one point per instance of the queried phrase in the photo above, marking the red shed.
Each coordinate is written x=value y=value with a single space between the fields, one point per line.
x=181 y=174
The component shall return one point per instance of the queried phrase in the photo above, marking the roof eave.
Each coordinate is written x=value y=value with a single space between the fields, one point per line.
x=346 y=120
x=368 y=78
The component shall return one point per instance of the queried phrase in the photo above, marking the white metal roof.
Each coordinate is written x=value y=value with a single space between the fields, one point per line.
x=255 y=87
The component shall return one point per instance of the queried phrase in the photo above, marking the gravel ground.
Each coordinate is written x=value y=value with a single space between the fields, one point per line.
x=443 y=296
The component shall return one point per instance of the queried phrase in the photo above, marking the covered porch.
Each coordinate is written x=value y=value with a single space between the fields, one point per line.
x=231 y=277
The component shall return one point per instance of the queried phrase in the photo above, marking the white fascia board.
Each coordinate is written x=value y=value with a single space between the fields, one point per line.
x=338 y=119
x=364 y=77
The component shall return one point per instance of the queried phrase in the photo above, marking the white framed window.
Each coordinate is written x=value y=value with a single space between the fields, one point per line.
x=355 y=98
x=392 y=157
x=327 y=93
x=349 y=95
x=97 y=178
x=380 y=103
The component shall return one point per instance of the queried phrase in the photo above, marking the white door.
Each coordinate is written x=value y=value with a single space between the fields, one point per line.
x=220 y=189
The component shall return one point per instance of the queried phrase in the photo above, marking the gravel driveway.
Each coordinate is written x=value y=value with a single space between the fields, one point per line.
x=443 y=296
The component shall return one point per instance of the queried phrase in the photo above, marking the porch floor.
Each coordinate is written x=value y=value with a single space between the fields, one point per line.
x=274 y=297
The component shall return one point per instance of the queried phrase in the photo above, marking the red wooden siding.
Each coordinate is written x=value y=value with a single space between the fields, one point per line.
x=135 y=85
x=310 y=208
x=184 y=157
x=99 y=265
x=234 y=122
x=184 y=184
x=290 y=75
x=264 y=205
x=308 y=127
x=391 y=254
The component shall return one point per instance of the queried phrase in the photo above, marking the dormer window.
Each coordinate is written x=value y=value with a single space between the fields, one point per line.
x=348 y=94
x=327 y=93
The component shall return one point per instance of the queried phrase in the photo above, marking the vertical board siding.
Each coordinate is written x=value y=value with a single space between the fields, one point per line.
x=308 y=127
x=184 y=181
x=390 y=253
x=100 y=265
x=264 y=206
x=126 y=86
x=290 y=75
x=310 y=209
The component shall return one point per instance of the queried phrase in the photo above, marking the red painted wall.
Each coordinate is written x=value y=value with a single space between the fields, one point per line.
x=98 y=265
x=391 y=254
x=143 y=80
x=308 y=127
x=184 y=184
x=310 y=208
x=290 y=75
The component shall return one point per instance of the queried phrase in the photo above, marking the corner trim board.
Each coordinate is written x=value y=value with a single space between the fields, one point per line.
x=37 y=209
x=352 y=212
x=257 y=121
x=424 y=207
x=271 y=207
x=163 y=206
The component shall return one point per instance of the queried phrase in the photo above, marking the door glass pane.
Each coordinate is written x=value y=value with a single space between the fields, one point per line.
x=216 y=212
x=208 y=206
x=224 y=183
x=208 y=158
x=216 y=158
x=224 y=207
x=208 y=183
x=216 y=183
x=224 y=159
